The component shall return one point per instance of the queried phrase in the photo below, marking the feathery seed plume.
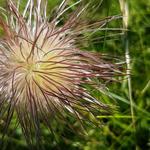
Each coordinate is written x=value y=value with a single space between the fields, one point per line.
x=43 y=73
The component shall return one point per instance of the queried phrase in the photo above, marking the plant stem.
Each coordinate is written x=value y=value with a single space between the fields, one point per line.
x=125 y=13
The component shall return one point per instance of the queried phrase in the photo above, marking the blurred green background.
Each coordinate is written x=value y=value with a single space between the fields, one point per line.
x=119 y=132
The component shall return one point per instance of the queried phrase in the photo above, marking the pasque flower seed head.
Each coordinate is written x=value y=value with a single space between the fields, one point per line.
x=43 y=73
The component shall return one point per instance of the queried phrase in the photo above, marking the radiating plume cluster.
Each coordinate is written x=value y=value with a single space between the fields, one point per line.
x=43 y=73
